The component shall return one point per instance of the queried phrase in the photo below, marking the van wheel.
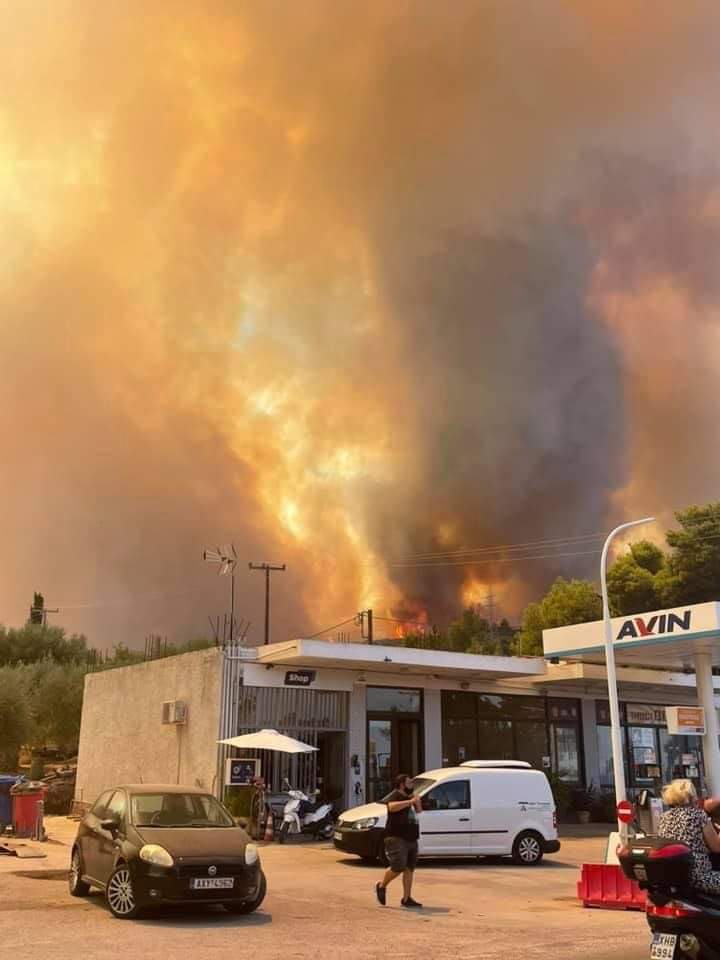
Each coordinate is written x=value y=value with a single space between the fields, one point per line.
x=528 y=849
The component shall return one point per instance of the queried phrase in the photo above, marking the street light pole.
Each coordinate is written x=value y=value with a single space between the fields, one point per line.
x=615 y=728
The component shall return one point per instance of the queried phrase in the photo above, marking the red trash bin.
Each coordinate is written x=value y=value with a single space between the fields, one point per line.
x=26 y=811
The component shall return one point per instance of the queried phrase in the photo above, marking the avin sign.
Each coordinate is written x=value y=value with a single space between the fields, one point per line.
x=656 y=625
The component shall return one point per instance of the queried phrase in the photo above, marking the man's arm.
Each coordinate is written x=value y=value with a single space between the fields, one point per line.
x=397 y=802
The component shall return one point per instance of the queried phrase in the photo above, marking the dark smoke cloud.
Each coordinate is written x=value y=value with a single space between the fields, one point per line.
x=343 y=284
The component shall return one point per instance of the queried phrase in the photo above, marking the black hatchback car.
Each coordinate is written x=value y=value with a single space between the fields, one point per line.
x=145 y=845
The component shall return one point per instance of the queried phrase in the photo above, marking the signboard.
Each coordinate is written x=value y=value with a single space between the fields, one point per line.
x=265 y=675
x=658 y=626
x=644 y=715
x=299 y=678
x=240 y=772
x=686 y=721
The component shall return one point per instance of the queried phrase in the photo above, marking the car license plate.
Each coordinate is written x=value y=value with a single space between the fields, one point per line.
x=212 y=883
x=663 y=946
x=338 y=835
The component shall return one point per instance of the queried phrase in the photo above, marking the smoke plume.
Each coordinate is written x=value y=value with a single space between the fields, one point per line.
x=345 y=284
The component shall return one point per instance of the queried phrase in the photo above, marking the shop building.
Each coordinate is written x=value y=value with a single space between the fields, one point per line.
x=373 y=711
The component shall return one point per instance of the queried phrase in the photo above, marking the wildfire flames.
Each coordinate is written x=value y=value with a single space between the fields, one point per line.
x=357 y=287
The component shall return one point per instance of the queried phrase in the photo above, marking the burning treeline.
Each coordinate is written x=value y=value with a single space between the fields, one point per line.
x=352 y=285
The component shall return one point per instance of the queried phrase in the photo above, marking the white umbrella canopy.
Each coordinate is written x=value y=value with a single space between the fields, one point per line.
x=269 y=740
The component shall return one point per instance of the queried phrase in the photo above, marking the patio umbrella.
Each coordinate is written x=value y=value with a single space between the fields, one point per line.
x=269 y=740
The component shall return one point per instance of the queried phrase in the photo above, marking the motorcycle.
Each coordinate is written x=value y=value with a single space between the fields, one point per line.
x=302 y=814
x=684 y=922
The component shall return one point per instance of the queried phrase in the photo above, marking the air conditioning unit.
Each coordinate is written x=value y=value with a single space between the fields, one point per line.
x=174 y=711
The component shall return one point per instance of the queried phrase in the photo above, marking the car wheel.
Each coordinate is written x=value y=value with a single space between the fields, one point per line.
x=120 y=895
x=249 y=906
x=283 y=831
x=528 y=849
x=78 y=887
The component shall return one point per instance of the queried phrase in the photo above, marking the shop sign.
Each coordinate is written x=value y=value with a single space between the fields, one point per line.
x=655 y=625
x=299 y=678
x=686 y=721
x=644 y=715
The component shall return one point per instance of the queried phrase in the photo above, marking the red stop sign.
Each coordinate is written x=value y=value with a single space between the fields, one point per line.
x=625 y=811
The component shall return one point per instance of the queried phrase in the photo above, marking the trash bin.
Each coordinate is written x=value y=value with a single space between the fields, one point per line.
x=7 y=780
x=27 y=812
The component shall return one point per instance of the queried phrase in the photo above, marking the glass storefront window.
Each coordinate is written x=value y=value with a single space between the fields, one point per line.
x=674 y=751
x=393 y=699
x=491 y=706
x=460 y=740
x=605 y=757
x=566 y=752
x=531 y=743
x=495 y=740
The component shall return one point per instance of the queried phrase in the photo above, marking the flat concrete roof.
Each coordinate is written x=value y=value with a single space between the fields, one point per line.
x=666 y=639
x=381 y=658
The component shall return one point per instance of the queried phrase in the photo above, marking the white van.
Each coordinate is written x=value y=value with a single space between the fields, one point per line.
x=481 y=808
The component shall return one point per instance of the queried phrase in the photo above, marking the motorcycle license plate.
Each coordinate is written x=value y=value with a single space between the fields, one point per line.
x=663 y=946
x=338 y=835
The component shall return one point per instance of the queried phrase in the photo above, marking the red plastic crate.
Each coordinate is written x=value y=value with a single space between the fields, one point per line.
x=606 y=886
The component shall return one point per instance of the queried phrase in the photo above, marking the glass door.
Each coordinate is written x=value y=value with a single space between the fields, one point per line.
x=379 y=758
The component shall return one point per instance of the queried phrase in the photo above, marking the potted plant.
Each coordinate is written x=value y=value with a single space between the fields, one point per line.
x=562 y=794
x=582 y=802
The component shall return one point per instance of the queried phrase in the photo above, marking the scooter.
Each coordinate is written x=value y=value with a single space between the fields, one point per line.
x=684 y=922
x=304 y=815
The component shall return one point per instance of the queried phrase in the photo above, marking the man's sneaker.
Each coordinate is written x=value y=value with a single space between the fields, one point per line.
x=381 y=894
x=409 y=902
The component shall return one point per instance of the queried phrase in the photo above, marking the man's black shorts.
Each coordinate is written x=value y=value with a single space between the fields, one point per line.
x=401 y=854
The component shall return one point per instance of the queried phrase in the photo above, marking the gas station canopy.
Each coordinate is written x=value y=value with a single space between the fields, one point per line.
x=663 y=639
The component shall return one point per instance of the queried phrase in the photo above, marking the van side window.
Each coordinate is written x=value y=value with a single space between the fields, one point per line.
x=454 y=795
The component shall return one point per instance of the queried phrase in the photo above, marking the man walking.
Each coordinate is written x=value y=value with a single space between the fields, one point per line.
x=401 y=840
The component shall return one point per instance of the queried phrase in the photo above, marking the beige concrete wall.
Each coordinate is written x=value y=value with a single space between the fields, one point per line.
x=122 y=737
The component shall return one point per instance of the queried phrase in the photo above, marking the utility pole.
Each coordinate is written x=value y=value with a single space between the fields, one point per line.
x=360 y=621
x=268 y=568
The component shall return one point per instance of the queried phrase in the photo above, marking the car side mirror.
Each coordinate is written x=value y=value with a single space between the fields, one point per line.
x=429 y=803
x=112 y=825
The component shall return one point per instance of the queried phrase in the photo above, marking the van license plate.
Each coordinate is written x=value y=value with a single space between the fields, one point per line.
x=663 y=946
x=214 y=883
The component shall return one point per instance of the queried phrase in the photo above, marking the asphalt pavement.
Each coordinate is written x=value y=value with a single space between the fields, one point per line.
x=321 y=903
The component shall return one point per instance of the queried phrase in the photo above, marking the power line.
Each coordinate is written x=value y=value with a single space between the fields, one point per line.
x=472 y=563
x=333 y=627
x=559 y=541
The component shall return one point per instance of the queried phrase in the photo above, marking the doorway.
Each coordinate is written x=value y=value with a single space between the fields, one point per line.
x=394 y=737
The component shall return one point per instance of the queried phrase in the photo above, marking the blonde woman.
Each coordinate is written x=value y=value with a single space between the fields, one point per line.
x=687 y=823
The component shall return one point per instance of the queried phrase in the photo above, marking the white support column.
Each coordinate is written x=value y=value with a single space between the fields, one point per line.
x=711 y=749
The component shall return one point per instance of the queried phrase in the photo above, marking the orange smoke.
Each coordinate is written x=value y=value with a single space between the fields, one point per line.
x=344 y=285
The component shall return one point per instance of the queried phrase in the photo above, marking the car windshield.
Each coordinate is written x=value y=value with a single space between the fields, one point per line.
x=178 y=810
x=420 y=784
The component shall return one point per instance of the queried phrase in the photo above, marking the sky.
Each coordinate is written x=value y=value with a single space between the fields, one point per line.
x=353 y=287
